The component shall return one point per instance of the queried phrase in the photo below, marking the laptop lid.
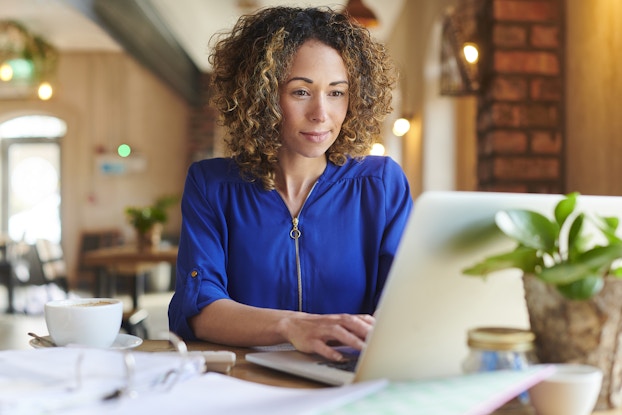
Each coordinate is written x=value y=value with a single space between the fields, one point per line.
x=428 y=304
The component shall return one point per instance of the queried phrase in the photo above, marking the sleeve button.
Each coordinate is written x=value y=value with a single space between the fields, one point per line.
x=193 y=274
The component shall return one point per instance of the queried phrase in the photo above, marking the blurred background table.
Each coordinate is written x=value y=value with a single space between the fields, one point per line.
x=129 y=260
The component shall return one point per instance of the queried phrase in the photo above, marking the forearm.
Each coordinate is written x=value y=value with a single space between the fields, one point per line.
x=235 y=324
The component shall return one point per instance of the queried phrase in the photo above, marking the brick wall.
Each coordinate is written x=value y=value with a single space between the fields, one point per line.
x=520 y=107
x=203 y=125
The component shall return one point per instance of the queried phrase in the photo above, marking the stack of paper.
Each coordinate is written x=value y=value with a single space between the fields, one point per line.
x=89 y=381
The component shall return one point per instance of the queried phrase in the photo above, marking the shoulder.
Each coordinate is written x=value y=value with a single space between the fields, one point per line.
x=379 y=167
x=215 y=170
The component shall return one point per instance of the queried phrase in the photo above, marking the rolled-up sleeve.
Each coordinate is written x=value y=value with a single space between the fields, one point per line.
x=201 y=263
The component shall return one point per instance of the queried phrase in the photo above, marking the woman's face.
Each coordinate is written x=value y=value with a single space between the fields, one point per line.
x=313 y=100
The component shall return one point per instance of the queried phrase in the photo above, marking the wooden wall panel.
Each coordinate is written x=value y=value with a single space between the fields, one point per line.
x=593 y=91
x=106 y=99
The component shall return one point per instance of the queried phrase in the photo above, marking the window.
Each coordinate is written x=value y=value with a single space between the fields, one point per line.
x=31 y=180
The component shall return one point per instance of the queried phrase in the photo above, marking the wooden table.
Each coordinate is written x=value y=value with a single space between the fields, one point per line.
x=243 y=369
x=251 y=372
x=107 y=262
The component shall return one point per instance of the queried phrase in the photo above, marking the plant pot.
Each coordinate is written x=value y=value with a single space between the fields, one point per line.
x=571 y=331
x=149 y=239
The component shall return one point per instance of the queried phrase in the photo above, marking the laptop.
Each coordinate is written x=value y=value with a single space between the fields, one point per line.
x=428 y=304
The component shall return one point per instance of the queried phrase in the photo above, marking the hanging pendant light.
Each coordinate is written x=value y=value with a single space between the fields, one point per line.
x=357 y=10
x=27 y=62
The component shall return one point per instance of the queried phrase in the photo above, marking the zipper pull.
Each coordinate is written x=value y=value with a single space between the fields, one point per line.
x=295 y=232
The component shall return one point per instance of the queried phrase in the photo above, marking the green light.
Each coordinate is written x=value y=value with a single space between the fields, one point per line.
x=22 y=68
x=124 y=150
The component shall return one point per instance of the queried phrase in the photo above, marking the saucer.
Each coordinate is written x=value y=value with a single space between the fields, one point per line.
x=123 y=341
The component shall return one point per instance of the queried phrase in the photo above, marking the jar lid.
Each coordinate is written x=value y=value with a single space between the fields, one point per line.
x=500 y=338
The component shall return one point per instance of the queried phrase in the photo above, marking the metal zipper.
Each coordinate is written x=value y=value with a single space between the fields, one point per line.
x=295 y=234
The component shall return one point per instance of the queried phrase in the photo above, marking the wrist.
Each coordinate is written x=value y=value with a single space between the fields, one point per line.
x=284 y=325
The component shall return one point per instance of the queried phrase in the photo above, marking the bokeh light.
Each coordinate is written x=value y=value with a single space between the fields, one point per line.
x=124 y=150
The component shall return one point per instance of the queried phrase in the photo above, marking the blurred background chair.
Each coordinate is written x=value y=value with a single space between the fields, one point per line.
x=51 y=263
x=36 y=272
x=89 y=241
x=133 y=319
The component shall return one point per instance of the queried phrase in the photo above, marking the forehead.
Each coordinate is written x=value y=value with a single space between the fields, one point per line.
x=316 y=57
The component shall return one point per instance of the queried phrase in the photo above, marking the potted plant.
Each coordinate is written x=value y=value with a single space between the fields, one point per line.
x=572 y=290
x=148 y=221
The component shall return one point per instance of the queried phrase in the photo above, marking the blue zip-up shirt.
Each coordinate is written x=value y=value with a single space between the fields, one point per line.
x=239 y=241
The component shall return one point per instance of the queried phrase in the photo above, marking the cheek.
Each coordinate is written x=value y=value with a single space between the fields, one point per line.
x=345 y=106
x=288 y=121
x=343 y=112
x=289 y=112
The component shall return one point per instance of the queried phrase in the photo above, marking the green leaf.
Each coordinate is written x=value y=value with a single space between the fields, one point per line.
x=565 y=207
x=523 y=258
x=595 y=261
x=564 y=273
x=608 y=226
x=582 y=289
x=529 y=228
x=612 y=222
x=575 y=242
x=601 y=257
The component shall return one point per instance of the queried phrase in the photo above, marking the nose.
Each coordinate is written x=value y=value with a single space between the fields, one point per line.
x=318 y=109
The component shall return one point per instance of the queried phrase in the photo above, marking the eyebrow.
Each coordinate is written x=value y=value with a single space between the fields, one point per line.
x=309 y=81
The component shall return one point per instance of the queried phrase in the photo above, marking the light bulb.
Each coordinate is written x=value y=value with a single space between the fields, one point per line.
x=471 y=54
x=45 y=91
x=401 y=127
x=6 y=72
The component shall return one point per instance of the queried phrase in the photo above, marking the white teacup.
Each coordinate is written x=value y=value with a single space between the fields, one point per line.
x=93 y=322
x=572 y=389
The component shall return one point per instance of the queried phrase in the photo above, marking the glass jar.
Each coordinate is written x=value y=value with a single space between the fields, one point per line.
x=501 y=348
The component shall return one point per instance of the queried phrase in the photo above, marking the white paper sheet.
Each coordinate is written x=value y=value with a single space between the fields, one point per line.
x=54 y=379
x=214 y=393
x=47 y=381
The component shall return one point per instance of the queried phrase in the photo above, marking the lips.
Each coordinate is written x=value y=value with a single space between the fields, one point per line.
x=316 y=137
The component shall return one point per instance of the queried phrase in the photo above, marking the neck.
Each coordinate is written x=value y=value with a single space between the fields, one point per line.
x=294 y=183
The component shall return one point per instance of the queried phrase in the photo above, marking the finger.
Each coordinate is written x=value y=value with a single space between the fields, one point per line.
x=369 y=319
x=328 y=352
x=323 y=344
x=358 y=325
x=345 y=337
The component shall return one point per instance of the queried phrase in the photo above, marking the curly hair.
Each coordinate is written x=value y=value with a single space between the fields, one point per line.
x=253 y=59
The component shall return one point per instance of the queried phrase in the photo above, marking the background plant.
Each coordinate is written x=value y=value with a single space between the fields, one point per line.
x=143 y=218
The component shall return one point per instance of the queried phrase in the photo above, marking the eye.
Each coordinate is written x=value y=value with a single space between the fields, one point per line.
x=337 y=93
x=300 y=92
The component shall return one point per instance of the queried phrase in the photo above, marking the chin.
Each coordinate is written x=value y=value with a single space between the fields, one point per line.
x=315 y=154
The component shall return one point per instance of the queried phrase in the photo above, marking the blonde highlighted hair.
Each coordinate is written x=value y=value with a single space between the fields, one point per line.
x=251 y=61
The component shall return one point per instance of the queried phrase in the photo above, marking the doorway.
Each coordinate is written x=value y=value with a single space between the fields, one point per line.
x=31 y=178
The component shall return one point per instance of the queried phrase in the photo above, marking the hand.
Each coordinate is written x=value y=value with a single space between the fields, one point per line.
x=313 y=333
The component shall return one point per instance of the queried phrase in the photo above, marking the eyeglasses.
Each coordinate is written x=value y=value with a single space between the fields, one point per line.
x=97 y=376
x=188 y=366
x=66 y=378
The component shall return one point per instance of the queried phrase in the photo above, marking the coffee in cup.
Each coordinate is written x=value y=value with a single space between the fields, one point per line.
x=93 y=322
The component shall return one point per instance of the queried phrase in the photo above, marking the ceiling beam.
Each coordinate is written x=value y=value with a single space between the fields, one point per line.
x=136 y=25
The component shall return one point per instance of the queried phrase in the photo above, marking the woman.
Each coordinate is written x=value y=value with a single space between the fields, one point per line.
x=291 y=238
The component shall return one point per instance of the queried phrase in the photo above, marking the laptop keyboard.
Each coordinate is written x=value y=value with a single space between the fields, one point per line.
x=349 y=361
x=349 y=365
